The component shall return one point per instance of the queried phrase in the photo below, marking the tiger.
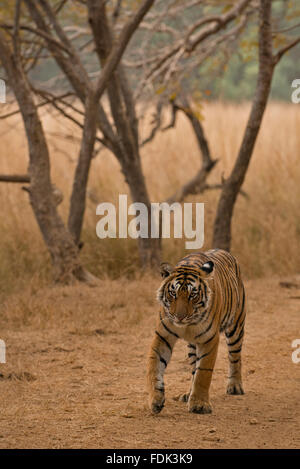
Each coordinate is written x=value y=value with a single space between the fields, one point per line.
x=201 y=297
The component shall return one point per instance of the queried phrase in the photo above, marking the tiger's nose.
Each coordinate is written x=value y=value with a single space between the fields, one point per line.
x=181 y=310
x=180 y=316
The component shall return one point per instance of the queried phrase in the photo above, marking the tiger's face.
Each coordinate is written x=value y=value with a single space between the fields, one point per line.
x=185 y=293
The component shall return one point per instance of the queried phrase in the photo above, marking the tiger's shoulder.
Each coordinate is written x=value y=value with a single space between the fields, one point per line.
x=220 y=258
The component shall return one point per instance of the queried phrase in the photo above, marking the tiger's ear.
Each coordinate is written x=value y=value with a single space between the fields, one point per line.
x=166 y=269
x=207 y=268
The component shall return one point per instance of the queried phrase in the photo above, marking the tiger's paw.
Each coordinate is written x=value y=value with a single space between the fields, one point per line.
x=182 y=397
x=157 y=402
x=199 y=407
x=235 y=388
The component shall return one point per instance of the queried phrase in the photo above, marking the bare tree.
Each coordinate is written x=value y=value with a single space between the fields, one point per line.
x=232 y=185
x=61 y=242
x=120 y=135
x=63 y=251
x=117 y=128
x=191 y=41
x=102 y=33
x=125 y=120
x=167 y=67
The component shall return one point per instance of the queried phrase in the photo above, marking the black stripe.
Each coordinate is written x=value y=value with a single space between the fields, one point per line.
x=164 y=340
x=163 y=361
x=236 y=270
x=229 y=306
x=234 y=361
x=192 y=346
x=160 y=389
x=230 y=298
x=204 y=369
x=235 y=351
x=200 y=304
x=241 y=335
x=205 y=290
x=204 y=355
x=160 y=357
x=227 y=289
x=230 y=334
x=225 y=319
x=167 y=329
x=202 y=333
x=207 y=353
x=192 y=354
x=184 y=271
x=212 y=337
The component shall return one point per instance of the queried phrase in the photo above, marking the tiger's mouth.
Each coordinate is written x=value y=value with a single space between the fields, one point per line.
x=196 y=317
x=180 y=321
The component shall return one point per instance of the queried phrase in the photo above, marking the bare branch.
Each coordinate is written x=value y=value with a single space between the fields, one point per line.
x=73 y=69
x=118 y=50
x=285 y=30
x=43 y=103
x=38 y=32
x=117 y=10
x=15 y=178
x=285 y=49
x=221 y=23
x=166 y=61
x=197 y=184
x=157 y=123
x=16 y=39
x=173 y=118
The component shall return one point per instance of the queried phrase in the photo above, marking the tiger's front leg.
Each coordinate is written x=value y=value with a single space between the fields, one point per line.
x=206 y=358
x=159 y=357
x=192 y=358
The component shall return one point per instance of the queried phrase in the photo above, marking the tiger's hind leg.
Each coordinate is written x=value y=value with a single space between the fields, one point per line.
x=192 y=358
x=234 y=338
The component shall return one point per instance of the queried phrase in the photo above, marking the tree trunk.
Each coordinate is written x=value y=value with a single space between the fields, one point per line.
x=149 y=248
x=124 y=116
x=78 y=197
x=122 y=138
x=63 y=251
x=231 y=187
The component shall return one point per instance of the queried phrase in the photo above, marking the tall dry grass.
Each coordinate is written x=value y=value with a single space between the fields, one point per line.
x=266 y=227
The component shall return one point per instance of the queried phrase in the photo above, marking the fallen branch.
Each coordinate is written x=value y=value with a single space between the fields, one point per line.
x=16 y=178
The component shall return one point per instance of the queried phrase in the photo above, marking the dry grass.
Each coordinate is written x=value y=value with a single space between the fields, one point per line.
x=266 y=230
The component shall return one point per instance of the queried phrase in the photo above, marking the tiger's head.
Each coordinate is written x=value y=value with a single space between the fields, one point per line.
x=185 y=292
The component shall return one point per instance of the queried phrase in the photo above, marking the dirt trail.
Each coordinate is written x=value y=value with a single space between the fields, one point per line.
x=78 y=381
